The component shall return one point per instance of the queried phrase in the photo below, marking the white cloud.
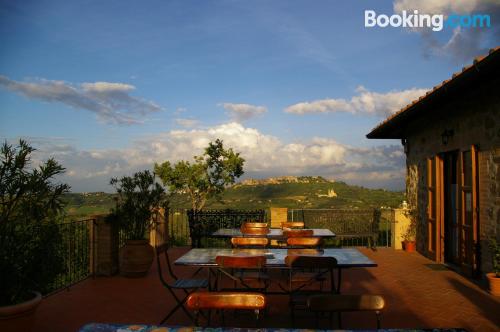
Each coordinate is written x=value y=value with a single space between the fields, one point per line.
x=242 y=112
x=368 y=102
x=111 y=102
x=265 y=155
x=187 y=123
x=463 y=44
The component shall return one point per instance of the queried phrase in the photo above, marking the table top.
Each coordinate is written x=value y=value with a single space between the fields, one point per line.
x=274 y=233
x=102 y=327
x=346 y=257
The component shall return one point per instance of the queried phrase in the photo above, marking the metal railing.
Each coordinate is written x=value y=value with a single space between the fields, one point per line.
x=353 y=227
x=75 y=254
x=203 y=223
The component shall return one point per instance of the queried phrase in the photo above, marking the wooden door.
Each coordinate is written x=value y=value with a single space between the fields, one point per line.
x=468 y=211
x=435 y=208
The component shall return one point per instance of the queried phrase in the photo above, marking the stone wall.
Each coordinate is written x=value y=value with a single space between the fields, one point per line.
x=475 y=120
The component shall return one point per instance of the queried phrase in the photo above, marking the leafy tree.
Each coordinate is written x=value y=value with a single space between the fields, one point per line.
x=30 y=242
x=206 y=177
x=138 y=196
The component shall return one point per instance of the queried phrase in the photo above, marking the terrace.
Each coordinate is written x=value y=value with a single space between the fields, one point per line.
x=418 y=292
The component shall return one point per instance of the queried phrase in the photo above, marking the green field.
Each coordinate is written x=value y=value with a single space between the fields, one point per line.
x=262 y=196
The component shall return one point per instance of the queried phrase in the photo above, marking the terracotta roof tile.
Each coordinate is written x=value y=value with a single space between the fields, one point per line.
x=477 y=60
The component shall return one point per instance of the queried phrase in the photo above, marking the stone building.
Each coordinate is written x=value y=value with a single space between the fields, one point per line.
x=451 y=138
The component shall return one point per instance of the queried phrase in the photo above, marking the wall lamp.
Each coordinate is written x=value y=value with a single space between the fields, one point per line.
x=446 y=135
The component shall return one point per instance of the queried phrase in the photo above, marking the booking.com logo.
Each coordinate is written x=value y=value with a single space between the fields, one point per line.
x=415 y=20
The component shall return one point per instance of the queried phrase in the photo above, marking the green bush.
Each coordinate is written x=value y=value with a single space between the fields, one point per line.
x=138 y=196
x=30 y=242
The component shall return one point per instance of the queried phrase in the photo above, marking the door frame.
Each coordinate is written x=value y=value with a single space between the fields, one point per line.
x=468 y=242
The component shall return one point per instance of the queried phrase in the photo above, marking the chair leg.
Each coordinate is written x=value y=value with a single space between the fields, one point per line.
x=339 y=280
x=180 y=304
x=339 y=316
x=378 y=319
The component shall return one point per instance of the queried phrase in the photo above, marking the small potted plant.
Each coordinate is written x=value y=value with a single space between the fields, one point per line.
x=409 y=236
x=494 y=277
x=30 y=239
x=138 y=197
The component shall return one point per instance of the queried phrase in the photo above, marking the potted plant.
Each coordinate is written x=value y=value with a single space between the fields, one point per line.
x=30 y=241
x=494 y=277
x=409 y=244
x=137 y=198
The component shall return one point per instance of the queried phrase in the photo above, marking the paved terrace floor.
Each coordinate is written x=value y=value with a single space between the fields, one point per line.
x=416 y=296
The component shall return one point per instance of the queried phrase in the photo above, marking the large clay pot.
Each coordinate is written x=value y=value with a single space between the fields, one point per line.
x=19 y=317
x=136 y=257
x=409 y=246
x=494 y=284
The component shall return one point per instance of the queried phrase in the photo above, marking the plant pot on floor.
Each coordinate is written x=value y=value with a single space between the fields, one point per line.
x=136 y=257
x=19 y=317
x=493 y=284
x=409 y=246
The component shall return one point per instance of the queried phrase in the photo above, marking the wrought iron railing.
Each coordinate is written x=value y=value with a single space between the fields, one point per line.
x=353 y=227
x=75 y=254
x=203 y=223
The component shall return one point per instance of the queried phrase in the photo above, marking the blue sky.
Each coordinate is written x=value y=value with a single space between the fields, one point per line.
x=110 y=87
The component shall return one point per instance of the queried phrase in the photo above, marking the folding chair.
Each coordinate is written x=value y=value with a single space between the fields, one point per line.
x=292 y=224
x=305 y=271
x=342 y=303
x=254 y=230
x=255 y=225
x=304 y=242
x=187 y=285
x=298 y=233
x=243 y=270
x=249 y=242
x=225 y=301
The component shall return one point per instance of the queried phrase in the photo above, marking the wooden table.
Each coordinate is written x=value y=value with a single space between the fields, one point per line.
x=346 y=257
x=274 y=233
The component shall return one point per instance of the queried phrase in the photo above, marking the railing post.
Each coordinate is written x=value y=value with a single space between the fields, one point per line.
x=158 y=234
x=104 y=247
x=399 y=225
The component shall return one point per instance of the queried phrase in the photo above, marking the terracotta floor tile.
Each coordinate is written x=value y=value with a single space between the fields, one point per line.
x=416 y=296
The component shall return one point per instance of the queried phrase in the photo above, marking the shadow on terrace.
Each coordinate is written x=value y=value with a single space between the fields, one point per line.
x=416 y=296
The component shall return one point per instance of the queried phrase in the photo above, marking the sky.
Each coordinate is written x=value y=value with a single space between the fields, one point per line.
x=108 y=88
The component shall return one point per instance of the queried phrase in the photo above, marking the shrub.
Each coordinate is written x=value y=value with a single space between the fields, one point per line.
x=138 y=196
x=30 y=242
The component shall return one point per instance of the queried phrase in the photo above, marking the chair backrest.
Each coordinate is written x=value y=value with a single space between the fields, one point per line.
x=241 y=262
x=304 y=242
x=298 y=233
x=249 y=242
x=226 y=300
x=292 y=224
x=254 y=230
x=255 y=225
x=163 y=250
x=311 y=262
x=346 y=303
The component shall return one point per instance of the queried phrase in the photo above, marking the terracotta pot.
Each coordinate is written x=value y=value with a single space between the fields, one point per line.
x=494 y=284
x=409 y=246
x=136 y=257
x=19 y=317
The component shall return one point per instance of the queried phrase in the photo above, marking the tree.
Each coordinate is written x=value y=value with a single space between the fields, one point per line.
x=207 y=176
x=30 y=241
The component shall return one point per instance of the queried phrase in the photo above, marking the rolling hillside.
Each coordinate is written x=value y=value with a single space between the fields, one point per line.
x=291 y=192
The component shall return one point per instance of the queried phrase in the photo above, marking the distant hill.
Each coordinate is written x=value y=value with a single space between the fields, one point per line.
x=310 y=192
x=298 y=192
